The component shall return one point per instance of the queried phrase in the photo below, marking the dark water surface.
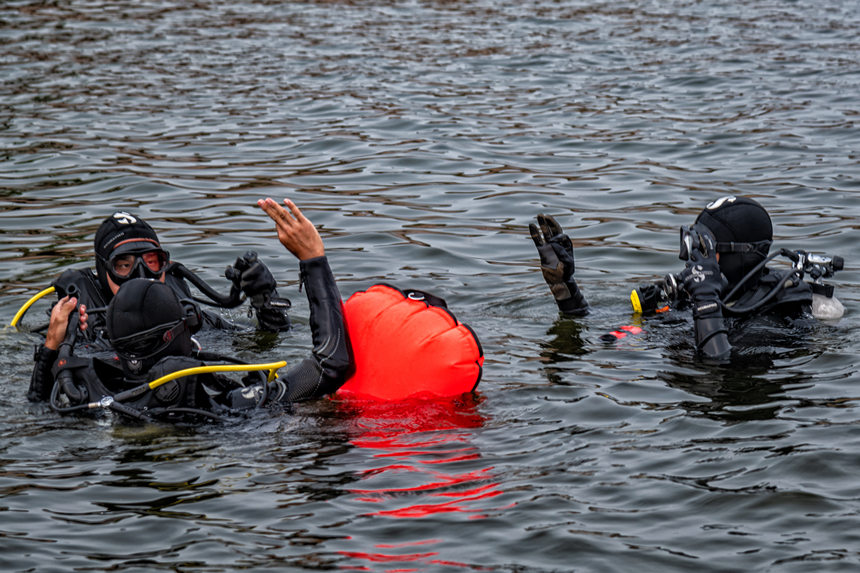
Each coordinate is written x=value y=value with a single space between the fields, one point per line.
x=422 y=137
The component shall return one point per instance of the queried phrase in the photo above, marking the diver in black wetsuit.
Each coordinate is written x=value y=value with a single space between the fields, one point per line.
x=149 y=326
x=127 y=247
x=725 y=279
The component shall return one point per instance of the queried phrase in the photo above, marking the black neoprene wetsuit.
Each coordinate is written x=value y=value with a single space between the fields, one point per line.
x=85 y=286
x=793 y=301
x=328 y=367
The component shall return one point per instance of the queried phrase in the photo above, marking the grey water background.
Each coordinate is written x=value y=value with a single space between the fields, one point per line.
x=422 y=138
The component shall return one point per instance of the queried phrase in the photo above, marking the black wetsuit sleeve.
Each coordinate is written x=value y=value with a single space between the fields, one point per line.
x=331 y=362
x=572 y=302
x=216 y=321
x=712 y=340
x=42 y=379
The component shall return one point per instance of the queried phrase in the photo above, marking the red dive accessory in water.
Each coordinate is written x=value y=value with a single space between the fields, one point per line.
x=407 y=343
x=622 y=332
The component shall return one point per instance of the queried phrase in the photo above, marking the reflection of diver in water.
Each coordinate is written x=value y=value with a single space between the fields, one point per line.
x=749 y=390
x=726 y=281
x=734 y=395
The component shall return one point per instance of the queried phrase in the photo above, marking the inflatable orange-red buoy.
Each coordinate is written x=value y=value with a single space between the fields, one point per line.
x=406 y=343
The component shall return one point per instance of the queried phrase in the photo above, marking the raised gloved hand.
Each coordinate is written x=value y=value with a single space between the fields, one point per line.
x=701 y=276
x=702 y=280
x=557 y=264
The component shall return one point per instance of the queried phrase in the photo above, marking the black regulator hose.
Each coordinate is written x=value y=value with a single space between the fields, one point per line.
x=55 y=405
x=755 y=270
x=65 y=379
x=231 y=300
x=780 y=284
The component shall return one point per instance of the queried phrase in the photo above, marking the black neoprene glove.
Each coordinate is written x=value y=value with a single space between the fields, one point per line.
x=701 y=275
x=557 y=265
x=253 y=278
x=703 y=282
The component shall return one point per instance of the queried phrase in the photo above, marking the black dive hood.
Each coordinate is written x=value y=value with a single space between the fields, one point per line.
x=146 y=322
x=743 y=232
x=121 y=233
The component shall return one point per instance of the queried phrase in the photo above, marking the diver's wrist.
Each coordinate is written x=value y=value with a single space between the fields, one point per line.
x=44 y=353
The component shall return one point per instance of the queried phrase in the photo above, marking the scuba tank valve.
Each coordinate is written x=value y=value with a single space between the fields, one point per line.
x=825 y=306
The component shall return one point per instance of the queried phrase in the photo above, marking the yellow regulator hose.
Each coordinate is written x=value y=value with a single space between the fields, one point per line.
x=107 y=401
x=272 y=367
x=28 y=304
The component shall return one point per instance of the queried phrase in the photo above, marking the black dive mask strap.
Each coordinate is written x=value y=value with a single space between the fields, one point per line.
x=155 y=340
x=757 y=247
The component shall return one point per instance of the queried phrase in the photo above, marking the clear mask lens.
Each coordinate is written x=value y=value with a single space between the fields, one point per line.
x=151 y=263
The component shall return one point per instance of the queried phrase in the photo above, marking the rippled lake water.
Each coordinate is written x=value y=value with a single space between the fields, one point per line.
x=422 y=138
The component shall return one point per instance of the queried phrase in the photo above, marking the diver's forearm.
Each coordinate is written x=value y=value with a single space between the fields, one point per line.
x=572 y=301
x=331 y=362
x=712 y=339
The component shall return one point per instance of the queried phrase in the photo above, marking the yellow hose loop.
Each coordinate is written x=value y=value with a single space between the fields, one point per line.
x=28 y=304
x=634 y=300
x=272 y=367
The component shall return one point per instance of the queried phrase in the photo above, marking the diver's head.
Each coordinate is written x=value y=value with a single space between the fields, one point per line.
x=127 y=247
x=743 y=234
x=146 y=322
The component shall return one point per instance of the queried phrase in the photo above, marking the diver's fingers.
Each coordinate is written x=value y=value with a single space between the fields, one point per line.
x=270 y=207
x=275 y=212
x=59 y=322
x=552 y=226
x=296 y=212
x=295 y=231
x=533 y=231
x=63 y=307
x=545 y=227
x=83 y=317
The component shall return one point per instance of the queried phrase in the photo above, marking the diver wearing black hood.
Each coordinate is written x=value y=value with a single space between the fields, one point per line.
x=725 y=277
x=149 y=328
x=150 y=332
x=127 y=247
x=146 y=322
x=743 y=233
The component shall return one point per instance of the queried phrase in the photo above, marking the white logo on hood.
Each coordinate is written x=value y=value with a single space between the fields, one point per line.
x=124 y=218
x=719 y=202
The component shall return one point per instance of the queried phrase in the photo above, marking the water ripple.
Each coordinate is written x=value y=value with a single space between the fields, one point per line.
x=421 y=137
